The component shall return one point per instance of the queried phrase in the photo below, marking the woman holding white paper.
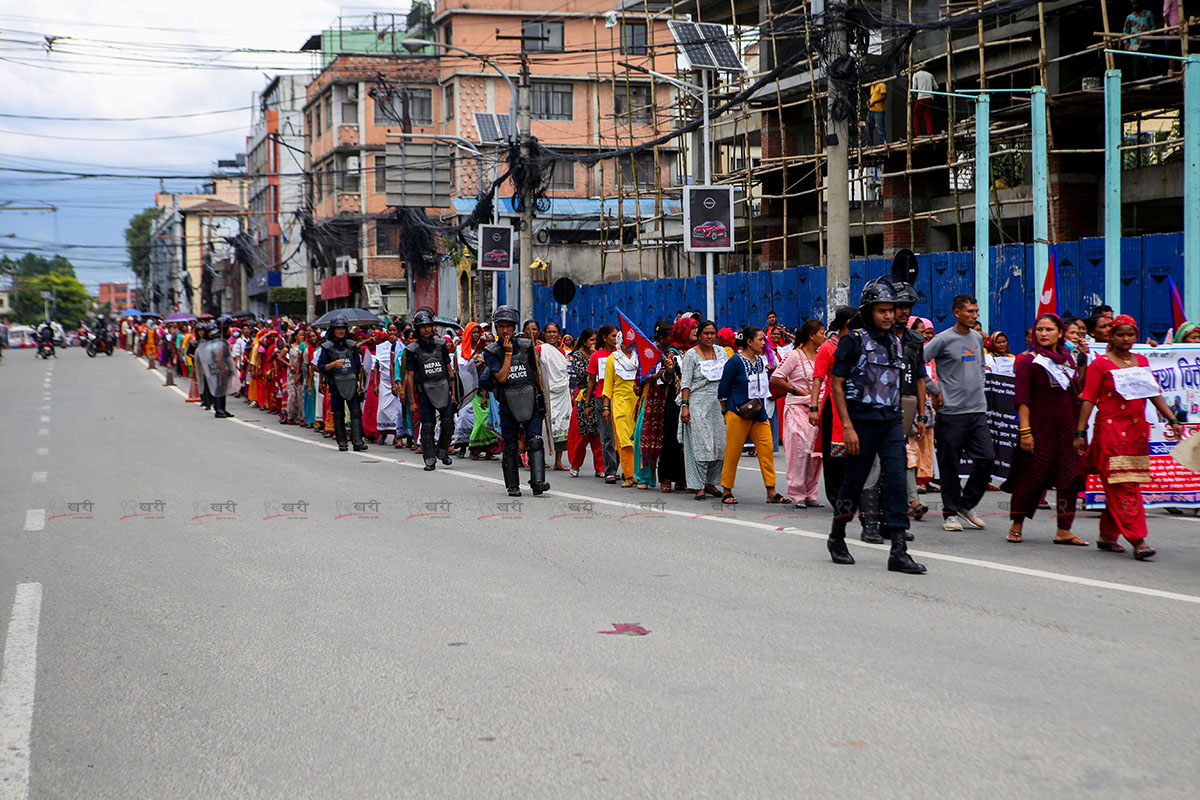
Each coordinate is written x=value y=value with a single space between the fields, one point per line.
x=1046 y=394
x=1117 y=386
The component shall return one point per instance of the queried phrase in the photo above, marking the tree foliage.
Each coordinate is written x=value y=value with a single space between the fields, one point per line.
x=34 y=274
x=137 y=242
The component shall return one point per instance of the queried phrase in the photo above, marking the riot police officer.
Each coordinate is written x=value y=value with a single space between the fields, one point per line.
x=341 y=365
x=428 y=382
x=912 y=400
x=865 y=387
x=510 y=369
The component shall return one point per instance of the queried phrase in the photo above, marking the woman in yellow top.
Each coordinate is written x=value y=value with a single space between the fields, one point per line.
x=620 y=405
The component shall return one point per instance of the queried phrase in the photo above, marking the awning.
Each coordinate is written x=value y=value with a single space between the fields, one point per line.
x=335 y=287
x=581 y=208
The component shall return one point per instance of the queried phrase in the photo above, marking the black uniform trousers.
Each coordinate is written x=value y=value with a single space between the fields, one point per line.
x=884 y=439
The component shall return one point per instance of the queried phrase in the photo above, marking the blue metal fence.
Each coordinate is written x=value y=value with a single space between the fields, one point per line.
x=798 y=293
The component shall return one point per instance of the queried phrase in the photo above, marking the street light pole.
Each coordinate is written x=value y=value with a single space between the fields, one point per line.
x=524 y=124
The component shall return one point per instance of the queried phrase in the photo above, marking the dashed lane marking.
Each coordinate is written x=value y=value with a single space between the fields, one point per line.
x=35 y=519
x=38 y=477
x=43 y=451
x=18 y=680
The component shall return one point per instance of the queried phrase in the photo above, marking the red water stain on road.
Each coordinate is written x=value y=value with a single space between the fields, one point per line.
x=627 y=629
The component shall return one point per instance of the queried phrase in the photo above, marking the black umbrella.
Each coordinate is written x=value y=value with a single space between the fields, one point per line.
x=356 y=316
x=239 y=314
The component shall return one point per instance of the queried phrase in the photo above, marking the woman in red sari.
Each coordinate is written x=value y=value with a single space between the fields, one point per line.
x=370 y=411
x=1117 y=386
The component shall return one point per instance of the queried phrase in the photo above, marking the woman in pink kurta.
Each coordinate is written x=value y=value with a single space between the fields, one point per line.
x=800 y=443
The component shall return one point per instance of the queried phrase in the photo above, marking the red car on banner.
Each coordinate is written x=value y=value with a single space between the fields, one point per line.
x=495 y=259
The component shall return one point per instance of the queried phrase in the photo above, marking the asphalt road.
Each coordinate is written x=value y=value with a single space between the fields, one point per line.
x=411 y=635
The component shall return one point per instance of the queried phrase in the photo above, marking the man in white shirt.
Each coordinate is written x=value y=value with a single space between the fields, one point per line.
x=923 y=84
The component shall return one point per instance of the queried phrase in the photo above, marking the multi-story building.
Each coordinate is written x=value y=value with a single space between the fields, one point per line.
x=578 y=106
x=117 y=295
x=275 y=171
x=192 y=257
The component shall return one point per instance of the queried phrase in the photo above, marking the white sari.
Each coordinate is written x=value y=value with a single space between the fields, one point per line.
x=558 y=390
x=389 y=404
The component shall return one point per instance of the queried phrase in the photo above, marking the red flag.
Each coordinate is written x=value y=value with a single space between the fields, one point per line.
x=1177 y=312
x=648 y=355
x=1048 y=299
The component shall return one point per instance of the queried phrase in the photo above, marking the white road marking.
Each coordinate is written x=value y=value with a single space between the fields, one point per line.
x=39 y=477
x=923 y=555
x=43 y=431
x=35 y=519
x=45 y=407
x=18 y=680
x=43 y=451
x=45 y=418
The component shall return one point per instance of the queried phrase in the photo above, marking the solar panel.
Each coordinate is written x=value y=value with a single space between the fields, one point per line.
x=493 y=127
x=706 y=45
x=719 y=45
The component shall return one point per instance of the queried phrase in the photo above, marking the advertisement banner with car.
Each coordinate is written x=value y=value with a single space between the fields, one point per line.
x=495 y=248
x=708 y=219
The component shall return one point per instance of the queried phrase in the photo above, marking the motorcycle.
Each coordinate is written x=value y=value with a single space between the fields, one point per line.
x=99 y=343
x=45 y=349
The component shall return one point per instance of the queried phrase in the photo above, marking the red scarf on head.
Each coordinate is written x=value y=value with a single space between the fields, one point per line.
x=464 y=348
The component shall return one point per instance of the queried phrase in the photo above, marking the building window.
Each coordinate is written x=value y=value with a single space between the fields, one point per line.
x=447 y=34
x=448 y=100
x=633 y=39
x=347 y=174
x=387 y=237
x=308 y=130
x=553 y=101
x=328 y=110
x=632 y=101
x=317 y=117
x=381 y=174
x=542 y=37
x=637 y=171
x=420 y=108
x=330 y=178
x=319 y=183
x=563 y=179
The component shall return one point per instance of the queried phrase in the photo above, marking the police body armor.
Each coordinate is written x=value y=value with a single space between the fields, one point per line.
x=430 y=373
x=519 y=392
x=345 y=379
x=875 y=379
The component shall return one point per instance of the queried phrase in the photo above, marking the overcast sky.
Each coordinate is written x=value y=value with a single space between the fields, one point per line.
x=132 y=58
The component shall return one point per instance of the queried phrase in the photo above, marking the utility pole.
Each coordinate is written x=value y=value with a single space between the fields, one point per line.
x=837 y=171
x=524 y=123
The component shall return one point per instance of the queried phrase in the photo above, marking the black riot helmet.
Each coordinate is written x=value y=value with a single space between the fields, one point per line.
x=340 y=321
x=876 y=291
x=422 y=318
x=506 y=314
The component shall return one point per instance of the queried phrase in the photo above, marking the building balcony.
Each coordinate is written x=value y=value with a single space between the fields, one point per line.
x=347 y=136
x=349 y=203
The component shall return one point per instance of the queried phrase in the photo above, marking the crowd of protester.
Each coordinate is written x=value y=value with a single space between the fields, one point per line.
x=887 y=407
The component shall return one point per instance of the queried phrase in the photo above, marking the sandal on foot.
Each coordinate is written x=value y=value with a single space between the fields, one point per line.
x=643 y=486
x=627 y=483
x=1143 y=552
x=814 y=504
x=1015 y=537
x=779 y=500
x=1072 y=540
x=729 y=500
x=1110 y=547
x=700 y=495
x=665 y=488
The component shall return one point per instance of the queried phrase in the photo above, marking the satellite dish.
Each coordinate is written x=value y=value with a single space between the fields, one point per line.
x=904 y=266
x=564 y=291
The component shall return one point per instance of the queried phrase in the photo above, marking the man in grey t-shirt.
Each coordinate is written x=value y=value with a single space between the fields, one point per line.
x=961 y=428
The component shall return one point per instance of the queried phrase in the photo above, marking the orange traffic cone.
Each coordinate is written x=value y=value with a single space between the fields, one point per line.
x=193 y=390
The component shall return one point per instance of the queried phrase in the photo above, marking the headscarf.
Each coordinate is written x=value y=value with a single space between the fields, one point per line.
x=1125 y=319
x=1183 y=331
x=726 y=337
x=928 y=323
x=465 y=348
x=1058 y=354
x=681 y=333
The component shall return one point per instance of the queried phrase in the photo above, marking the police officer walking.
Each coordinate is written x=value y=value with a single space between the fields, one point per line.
x=341 y=365
x=510 y=370
x=912 y=399
x=865 y=387
x=428 y=382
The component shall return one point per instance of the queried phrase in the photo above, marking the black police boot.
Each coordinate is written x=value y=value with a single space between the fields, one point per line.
x=512 y=475
x=837 y=543
x=870 y=515
x=900 y=560
x=428 y=453
x=339 y=432
x=537 y=470
x=356 y=435
x=445 y=434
